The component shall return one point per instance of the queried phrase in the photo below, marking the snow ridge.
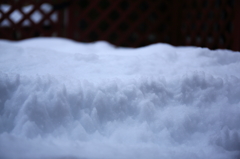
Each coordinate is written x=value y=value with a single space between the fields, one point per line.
x=64 y=99
x=150 y=110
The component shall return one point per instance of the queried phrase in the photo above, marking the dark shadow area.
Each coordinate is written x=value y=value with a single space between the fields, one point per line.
x=204 y=23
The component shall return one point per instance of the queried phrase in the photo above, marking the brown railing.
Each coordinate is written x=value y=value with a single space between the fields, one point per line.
x=133 y=23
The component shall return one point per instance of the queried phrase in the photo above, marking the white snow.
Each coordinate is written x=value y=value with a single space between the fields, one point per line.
x=64 y=99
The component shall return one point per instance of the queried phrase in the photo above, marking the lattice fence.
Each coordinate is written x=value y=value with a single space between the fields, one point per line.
x=122 y=22
x=28 y=18
x=133 y=23
x=211 y=23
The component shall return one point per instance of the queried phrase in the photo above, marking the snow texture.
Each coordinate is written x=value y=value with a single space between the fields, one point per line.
x=63 y=99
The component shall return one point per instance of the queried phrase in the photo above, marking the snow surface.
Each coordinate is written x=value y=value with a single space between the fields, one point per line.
x=63 y=99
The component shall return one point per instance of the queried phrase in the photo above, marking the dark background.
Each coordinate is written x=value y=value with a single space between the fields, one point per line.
x=132 y=23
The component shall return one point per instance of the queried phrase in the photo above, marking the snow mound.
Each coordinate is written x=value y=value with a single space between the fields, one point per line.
x=63 y=99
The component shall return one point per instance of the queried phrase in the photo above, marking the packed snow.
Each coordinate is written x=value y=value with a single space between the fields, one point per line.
x=64 y=99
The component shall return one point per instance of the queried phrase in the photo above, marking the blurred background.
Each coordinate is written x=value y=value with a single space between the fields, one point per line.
x=130 y=23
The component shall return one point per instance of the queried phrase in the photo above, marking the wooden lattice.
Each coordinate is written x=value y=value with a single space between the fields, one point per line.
x=209 y=23
x=28 y=18
x=122 y=22
x=206 y=23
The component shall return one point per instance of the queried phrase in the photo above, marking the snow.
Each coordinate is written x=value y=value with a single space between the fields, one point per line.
x=64 y=99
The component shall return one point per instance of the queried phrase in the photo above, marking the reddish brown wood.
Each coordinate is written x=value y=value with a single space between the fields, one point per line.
x=133 y=26
x=74 y=19
x=236 y=32
x=122 y=18
x=102 y=16
x=17 y=31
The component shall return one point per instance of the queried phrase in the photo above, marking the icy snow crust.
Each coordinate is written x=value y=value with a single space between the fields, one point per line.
x=63 y=99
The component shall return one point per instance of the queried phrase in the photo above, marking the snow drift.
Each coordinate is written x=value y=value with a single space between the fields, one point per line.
x=63 y=99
